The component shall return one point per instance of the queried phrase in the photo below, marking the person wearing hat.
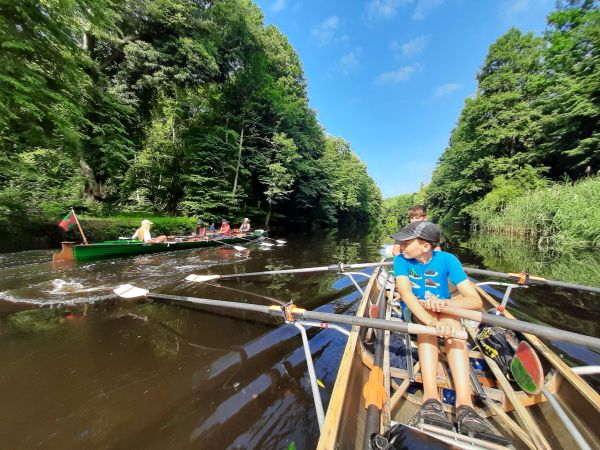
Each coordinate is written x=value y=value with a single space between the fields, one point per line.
x=225 y=227
x=143 y=234
x=416 y=213
x=422 y=278
x=245 y=226
x=200 y=228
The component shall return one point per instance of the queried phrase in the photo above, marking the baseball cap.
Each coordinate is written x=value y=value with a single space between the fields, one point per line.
x=422 y=230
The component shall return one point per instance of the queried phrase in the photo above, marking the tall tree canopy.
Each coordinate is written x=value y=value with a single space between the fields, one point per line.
x=171 y=106
x=535 y=116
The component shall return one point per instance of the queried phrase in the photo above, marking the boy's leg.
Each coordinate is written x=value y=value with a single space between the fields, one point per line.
x=458 y=359
x=428 y=358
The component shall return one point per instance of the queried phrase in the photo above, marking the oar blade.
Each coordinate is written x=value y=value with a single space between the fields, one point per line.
x=201 y=278
x=130 y=291
x=266 y=244
x=527 y=369
x=239 y=248
x=281 y=241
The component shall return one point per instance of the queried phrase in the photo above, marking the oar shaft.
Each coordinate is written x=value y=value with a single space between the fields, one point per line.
x=532 y=280
x=330 y=268
x=526 y=327
x=401 y=327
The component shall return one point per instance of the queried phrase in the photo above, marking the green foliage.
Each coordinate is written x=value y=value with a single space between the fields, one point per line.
x=169 y=106
x=396 y=212
x=565 y=216
x=536 y=111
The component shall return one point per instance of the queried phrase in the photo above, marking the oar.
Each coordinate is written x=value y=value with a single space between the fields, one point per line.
x=524 y=278
x=289 y=311
x=331 y=268
x=525 y=327
x=239 y=248
x=267 y=244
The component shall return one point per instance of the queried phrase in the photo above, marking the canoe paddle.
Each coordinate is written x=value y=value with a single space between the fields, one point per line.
x=288 y=312
x=525 y=327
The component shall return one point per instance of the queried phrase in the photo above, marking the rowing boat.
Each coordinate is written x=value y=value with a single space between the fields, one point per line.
x=128 y=247
x=528 y=421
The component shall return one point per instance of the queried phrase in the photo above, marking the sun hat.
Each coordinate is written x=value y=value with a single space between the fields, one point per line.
x=146 y=222
x=246 y=219
x=418 y=230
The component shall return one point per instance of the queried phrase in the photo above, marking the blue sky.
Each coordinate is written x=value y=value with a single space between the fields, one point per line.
x=391 y=76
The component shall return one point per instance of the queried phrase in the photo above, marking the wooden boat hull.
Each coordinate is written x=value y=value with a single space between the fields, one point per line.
x=111 y=249
x=346 y=415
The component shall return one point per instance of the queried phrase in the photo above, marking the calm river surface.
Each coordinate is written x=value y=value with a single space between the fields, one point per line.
x=90 y=371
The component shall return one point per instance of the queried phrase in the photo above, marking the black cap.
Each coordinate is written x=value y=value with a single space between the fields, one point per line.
x=422 y=230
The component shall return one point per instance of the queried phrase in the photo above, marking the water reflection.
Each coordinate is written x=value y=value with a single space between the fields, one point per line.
x=101 y=372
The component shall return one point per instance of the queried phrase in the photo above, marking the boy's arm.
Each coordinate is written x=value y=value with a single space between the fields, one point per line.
x=396 y=250
x=469 y=297
x=405 y=291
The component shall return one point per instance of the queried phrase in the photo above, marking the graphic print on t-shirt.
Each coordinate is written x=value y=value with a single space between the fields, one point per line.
x=430 y=283
x=414 y=274
x=430 y=273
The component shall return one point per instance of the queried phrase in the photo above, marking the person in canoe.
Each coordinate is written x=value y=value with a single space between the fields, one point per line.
x=200 y=228
x=422 y=278
x=416 y=213
x=225 y=227
x=143 y=234
x=245 y=226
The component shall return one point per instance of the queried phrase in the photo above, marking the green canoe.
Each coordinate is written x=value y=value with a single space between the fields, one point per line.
x=127 y=247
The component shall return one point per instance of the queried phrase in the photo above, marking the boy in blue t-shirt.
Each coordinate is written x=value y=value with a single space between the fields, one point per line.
x=422 y=276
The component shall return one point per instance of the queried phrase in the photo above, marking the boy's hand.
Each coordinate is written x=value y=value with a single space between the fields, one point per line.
x=443 y=330
x=435 y=304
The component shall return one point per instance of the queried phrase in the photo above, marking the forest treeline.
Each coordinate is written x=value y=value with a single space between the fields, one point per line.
x=177 y=107
x=532 y=125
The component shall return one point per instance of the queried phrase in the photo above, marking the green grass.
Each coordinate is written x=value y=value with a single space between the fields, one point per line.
x=561 y=216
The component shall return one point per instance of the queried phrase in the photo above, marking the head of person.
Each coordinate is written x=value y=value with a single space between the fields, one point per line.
x=200 y=223
x=246 y=220
x=417 y=213
x=417 y=238
x=224 y=221
x=146 y=224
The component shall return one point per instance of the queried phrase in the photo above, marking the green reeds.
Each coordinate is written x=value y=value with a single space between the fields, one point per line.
x=564 y=215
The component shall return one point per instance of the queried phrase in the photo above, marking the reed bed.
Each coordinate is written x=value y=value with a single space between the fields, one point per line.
x=564 y=215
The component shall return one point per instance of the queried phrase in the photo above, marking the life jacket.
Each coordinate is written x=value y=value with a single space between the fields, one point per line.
x=225 y=229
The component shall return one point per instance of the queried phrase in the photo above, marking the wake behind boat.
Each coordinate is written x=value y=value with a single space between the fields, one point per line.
x=129 y=247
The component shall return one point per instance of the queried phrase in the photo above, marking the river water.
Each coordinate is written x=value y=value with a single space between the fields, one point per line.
x=83 y=369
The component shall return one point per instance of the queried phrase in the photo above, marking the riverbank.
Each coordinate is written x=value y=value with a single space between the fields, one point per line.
x=563 y=215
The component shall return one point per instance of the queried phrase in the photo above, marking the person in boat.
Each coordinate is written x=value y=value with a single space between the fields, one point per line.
x=245 y=226
x=212 y=229
x=225 y=227
x=422 y=278
x=143 y=234
x=200 y=229
x=416 y=213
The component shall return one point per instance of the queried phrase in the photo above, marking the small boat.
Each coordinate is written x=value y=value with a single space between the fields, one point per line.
x=523 y=420
x=128 y=247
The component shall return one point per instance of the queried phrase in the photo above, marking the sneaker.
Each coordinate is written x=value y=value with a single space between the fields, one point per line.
x=432 y=413
x=472 y=424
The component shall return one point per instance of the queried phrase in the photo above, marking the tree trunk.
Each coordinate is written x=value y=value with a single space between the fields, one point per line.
x=268 y=216
x=239 y=162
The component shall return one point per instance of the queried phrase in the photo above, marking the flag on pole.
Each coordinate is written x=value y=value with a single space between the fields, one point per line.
x=68 y=222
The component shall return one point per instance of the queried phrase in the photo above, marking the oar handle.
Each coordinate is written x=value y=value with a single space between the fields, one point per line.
x=525 y=327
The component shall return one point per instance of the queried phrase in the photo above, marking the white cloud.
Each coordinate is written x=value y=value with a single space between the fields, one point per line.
x=384 y=9
x=412 y=47
x=446 y=89
x=278 y=5
x=424 y=7
x=325 y=31
x=397 y=76
x=350 y=61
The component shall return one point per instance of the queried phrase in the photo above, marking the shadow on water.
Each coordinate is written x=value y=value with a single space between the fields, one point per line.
x=87 y=370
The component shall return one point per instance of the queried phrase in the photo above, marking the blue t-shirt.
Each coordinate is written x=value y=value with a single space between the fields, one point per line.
x=431 y=279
